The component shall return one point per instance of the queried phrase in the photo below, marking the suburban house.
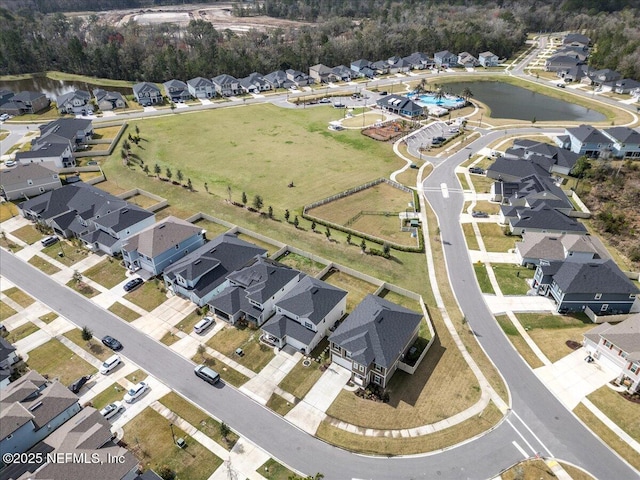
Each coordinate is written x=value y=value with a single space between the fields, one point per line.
x=400 y=65
x=380 y=67
x=374 y=339
x=573 y=73
x=617 y=347
x=543 y=219
x=552 y=157
x=31 y=408
x=71 y=210
x=344 y=74
x=362 y=67
x=108 y=101
x=202 y=274
x=147 y=93
x=599 y=285
x=201 y=87
x=626 y=141
x=420 y=61
x=400 y=105
x=561 y=62
x=87 y=437
x=5 y=96
x=176 y=91
x=488 y=59
x=59 y=155
x=305 y=314
x=253 y=291
x=529 y=193
x=108 y=232
x=467 y=60
x=576 y=39
x=25 y=181
x=625 y=85
x=299 y=78
x=8 y=359
x=536 y=247
x=25 y=102
x=226 y=85
x=445 y=59
x=254 y=83
x=278 y=79
x=156 y=247
x=321 y=74
x=506 y=169
x=589 y=141
x=75 y=102
x=598 y=78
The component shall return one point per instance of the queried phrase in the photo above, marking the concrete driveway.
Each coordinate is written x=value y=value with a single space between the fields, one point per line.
x=571 y=378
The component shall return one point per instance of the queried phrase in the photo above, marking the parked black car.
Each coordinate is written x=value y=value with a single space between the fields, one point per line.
x=133 y=284
x=479 y=214
x=438 y=140
x=79 y=383
x=112 y=343
x=477 y=170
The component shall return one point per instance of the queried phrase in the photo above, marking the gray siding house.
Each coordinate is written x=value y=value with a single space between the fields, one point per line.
x=200 y=87
x=488 y=59
x=147 y=93
x=589 y=141
x=30 y=409
x=108 y=101
x=373 y=340
x=226 y=85
x=25 y=181
x=8 y=358
x=445 y=59
x=158 y=246
x=176 y=91
x=626 y=141
x=75 y=102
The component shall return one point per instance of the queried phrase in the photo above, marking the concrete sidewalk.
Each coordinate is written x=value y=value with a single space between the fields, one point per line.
x=265 y=383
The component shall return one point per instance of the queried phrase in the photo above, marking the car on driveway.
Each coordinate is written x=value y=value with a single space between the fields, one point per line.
x=10 y=163
x=46 y=242
x=476 y=170
x=133 y=284
x=76 y=386
x=479 y=214
x=112 y=343
x=109 y=364
x=135 y=392
x=111 y=410
x=203 y=324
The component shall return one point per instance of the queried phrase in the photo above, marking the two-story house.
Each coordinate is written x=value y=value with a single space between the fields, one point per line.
x=108 y=100
x=343 y=73
x=537 y=247
x=253 y=291
x=363 y=68
x=31 y=408
x=445 y=59
x=373 y=339
x=420 y=61
x=75 y=102
x=399 y=65
x=542 y=218
x=466 y=60
x=589 y=141
x=8 y=358
x=25 y=181
x=599 y=285
x=156 y=247
x=488 y=59
x=226 y=85
x=254 y=83
x=147 y=93
x=176 y=91
x=201 y=87
x=305 y=315
x=299 y=78
x=322 y=74
x=617 y=348
x=381 y=67
x=25 y=102
x=202 y=274
x=626 y=141
x=278 y=79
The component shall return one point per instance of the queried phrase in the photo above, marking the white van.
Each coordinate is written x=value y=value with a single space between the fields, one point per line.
x=109 y=364
x=207 y=374
x=203 y=324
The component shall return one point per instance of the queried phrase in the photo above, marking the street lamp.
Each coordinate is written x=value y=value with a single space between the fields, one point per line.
x=173 y=435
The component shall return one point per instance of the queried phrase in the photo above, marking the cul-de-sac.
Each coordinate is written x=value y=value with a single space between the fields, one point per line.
x=304 y=240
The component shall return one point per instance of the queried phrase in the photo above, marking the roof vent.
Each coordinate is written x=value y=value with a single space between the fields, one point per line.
x=35 y=407
x=314 y=290
x=197 y=262
x=162 y=226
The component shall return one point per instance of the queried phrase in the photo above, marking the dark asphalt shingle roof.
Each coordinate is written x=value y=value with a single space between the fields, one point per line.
x=280 y=326
x=162 y=236
x=602 y=276
x=262 y=278
x=624 y=135
x=376 y=331
x=544 y=217
x=624 y=335
x=311 y=299
x=588 y=134
x=233 y=300
x=22 y=173
x=123 y=218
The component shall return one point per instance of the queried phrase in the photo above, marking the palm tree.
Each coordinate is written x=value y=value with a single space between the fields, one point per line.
x=466 y=94
x=439 y=95
x=125 y=158
x=422 y=86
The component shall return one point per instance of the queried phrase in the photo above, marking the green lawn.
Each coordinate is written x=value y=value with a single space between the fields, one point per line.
x=279 y=404
x=357 y=289
x=470 y=236
x=483 y=278
x=481 y=184
x=301 y=378
x=18 y=296
x=304 y=264
x=95 y=348
x=41 y=264
x=150 y=439
x=107 y=273
x=228 y=374
x=621 y=411
x=543 y=320
x=137 y=376
x=401 y=300
x=269 y=247
x=256 y=354
x=82 y=288
x=187 y=323
x=148 y=296
x=111 y=394
x=71 y=254
x=213 y=229
x=463 y=181
x=21 y=332
x=169 y=338
x=494 y=238
x=7 y=211
x=123 y=312
x=49 y=317
x=57 y=361
x=518 y=342
x=199 y=419
x=28 y=234
x=6 y=311
x=512 y=278
x=272 y=470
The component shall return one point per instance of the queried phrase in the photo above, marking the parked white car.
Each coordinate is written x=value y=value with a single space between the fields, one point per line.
x=135 y=392
x=111 y=410
x=109 y=364
x=203 y=324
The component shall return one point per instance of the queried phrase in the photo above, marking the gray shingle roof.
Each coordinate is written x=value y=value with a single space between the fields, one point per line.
x=598 y=276
x=162 y=236
x=46 y=149
x=143 y=87
x=376 y=331
x=233 y=300
x=224 y=79
x=262 y=278
x=544 y=217
x=22 y=173
x=311 y=298
x=65 y=127
x=280 y=326
x=623 y=135
x=588 y=134
x=5 y=349
x=199 y=82
x=515 y=168
x=123 y=218
x=624 y=335
x=65 y=97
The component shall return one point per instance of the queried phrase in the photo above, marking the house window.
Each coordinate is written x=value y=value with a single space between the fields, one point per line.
x=598 y=296
x=41 y=189
x=29 y=182
x=632 y=295
x=359 y=367
x=308 y=325
x=634 y=367
x=604 y=307
x=607 y=344
x=347 y=354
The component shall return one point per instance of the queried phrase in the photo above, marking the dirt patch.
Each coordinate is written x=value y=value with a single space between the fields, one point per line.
x=388 y=131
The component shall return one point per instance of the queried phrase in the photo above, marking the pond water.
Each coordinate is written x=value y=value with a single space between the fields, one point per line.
x=52 y=88
x=508 y=101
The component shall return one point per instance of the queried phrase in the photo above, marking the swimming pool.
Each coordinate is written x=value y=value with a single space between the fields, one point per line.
x=429 y=99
